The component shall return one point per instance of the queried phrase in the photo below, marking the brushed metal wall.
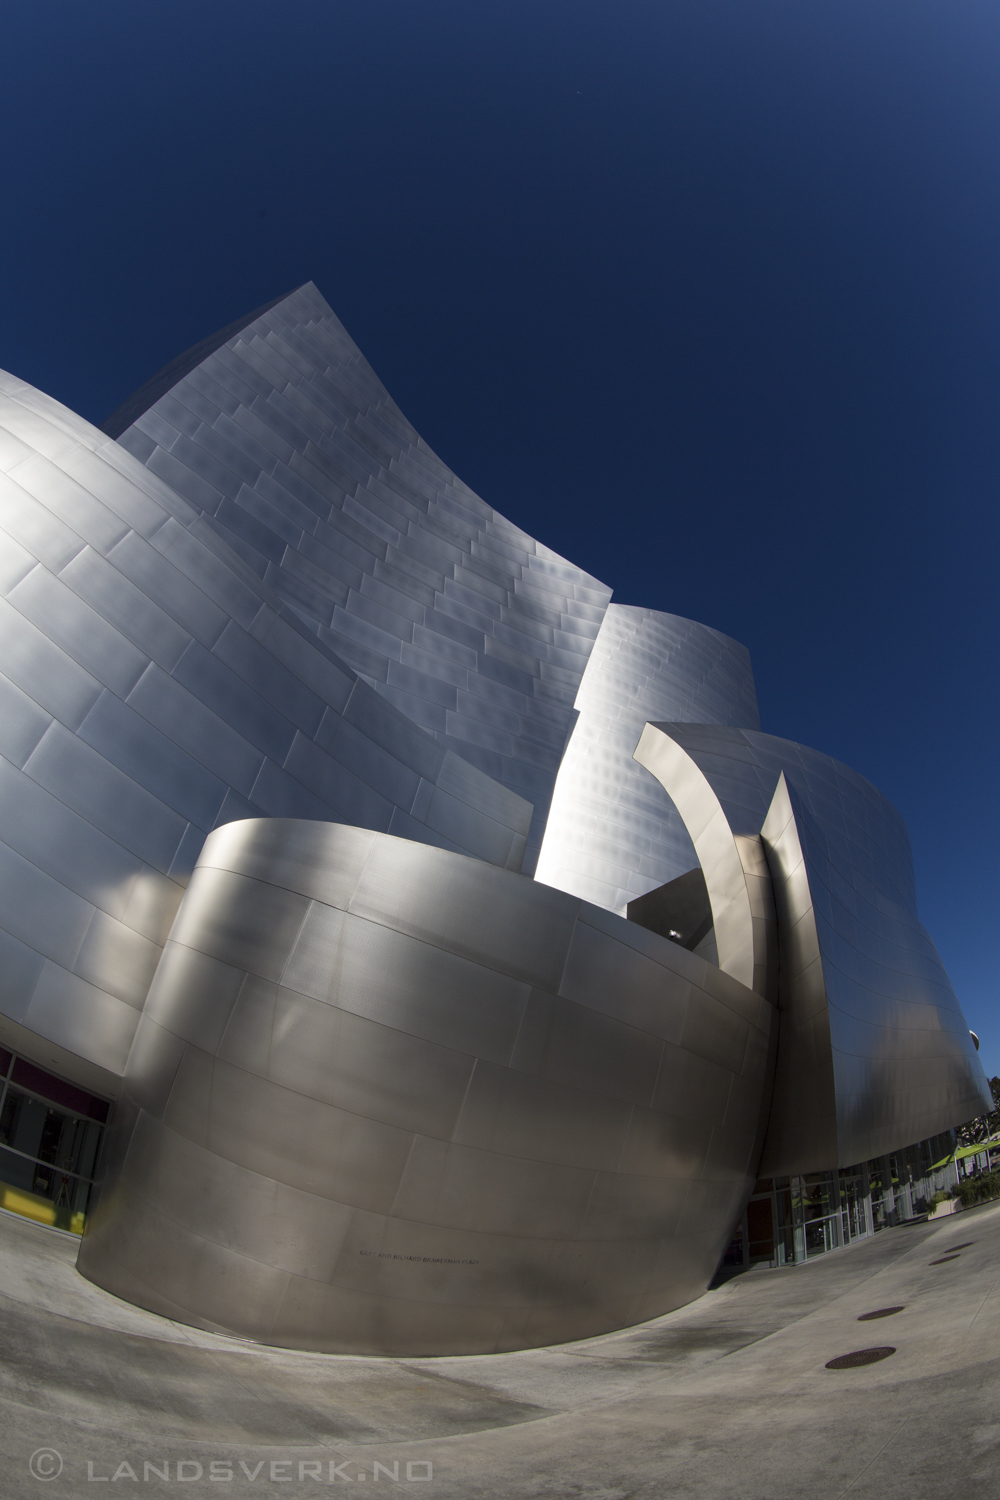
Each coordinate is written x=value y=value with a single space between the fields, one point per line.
x=612 y=833
x=875 y=1052
x=281 y=435
x=152 y=686
x=382 y=1092
x=389 y=1099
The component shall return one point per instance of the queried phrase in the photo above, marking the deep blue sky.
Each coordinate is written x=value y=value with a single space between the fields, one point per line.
x=706 y=296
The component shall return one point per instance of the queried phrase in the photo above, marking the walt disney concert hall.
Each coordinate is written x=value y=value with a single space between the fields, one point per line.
x=404 y=949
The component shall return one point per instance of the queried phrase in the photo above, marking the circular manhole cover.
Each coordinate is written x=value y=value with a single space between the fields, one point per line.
x=860 y=1357
x=880 y=1312
x=942 y=1258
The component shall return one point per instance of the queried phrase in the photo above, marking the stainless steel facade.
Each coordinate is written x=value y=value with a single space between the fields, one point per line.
x=384 y=1098
x=152 y=687
x=289 y=446
x=289 y=719
x=875 y=1052
x=612 y=833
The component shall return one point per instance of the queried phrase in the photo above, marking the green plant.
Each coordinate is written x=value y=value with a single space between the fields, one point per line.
x=979 y=1189
x=981 y=1129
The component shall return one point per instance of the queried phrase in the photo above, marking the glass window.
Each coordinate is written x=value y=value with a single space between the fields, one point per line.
x=814 y=1205
x=770 y=1227
x=854 y=1220
x=734 y=1250
x=883 y=1196
x=50 y=1133
x=785 y=1222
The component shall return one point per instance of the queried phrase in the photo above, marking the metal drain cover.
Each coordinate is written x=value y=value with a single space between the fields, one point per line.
x=942 y=1258
x=859 y=1357
x=880 y=1312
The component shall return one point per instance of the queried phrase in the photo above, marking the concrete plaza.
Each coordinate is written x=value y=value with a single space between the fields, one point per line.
x=728 y=1397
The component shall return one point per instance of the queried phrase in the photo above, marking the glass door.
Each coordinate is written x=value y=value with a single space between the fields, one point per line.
x=770 y=1232
x=854 y=1219
x=815 y=1209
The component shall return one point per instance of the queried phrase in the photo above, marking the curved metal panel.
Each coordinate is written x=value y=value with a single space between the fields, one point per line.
x=147 y=395
x=388 y=1099
x=152 y=687
x=802 y=1127
x=903 y=1063
x=714 y=846
x=383 y=1093
x=280 y=434
x=611 y=834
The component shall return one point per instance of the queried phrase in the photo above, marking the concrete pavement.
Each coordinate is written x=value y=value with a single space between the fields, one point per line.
x=728 y=1397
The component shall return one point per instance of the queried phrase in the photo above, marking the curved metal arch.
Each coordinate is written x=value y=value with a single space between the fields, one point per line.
x=719 y=853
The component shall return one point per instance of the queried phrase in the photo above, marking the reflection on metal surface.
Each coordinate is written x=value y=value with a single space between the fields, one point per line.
x=285 y=709
x=874 y=1052
x=714 y=845
x=284 y=440
x=612 y=834
x=393 y=1100
x=802 y=1133
x=152 y=688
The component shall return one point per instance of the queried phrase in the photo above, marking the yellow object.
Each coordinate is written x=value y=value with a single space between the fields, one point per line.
x=983 y=1149
x=29 y=1206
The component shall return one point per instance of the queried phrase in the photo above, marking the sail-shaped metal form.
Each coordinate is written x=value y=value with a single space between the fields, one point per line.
x=289 y=721
x=296 y=455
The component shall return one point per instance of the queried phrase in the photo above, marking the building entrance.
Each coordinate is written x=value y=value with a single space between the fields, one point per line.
x=855 y=1208
x=792 y=1219
x=50 y=1132
x=769 y=1236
